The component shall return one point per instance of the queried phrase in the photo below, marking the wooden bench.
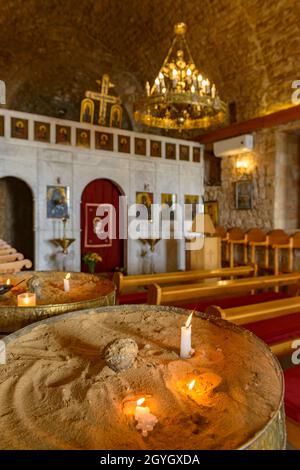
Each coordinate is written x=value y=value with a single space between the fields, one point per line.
x=144 y=280
x=15 y=266
x=192 y=292
x=257 y=312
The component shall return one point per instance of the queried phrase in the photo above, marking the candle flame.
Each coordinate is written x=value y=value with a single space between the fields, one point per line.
x=191 y=385
x=140 y=401
x=8 y=282
x=189 y=320
x=68 y=276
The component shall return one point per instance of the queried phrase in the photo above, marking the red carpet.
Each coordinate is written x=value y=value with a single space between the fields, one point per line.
x=292 y=393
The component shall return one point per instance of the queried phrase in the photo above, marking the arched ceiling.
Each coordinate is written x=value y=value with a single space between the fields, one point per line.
x=51 y=51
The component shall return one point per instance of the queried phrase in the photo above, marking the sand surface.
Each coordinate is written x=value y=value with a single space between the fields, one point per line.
x=82 y=287
x=56 y=391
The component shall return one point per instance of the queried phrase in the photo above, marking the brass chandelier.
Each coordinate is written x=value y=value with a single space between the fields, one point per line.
x=180 y=98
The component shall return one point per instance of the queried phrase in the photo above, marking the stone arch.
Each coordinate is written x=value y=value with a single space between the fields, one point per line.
x=17 y=214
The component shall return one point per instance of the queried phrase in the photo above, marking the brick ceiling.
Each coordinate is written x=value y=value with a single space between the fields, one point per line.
x=51 y=51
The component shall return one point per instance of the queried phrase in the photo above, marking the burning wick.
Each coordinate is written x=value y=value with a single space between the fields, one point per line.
x=8 y=282
x=145 y=420
x=67 y=283
x=191 y=385
x=186 y=339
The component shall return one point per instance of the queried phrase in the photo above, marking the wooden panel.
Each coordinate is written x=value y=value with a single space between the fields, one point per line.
x=270 y=120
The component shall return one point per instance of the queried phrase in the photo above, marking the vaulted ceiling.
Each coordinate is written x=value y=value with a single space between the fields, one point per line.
x=51 y=51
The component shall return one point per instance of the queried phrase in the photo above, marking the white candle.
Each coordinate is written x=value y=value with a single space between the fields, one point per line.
x=67 y=283
x=186 y=339
x=145 y=420
x=27 y=300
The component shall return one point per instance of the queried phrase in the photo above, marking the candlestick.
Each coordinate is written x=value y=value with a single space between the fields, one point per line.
x=145 y=420
x=27 y=300
x=67 y=283
x=186 y=339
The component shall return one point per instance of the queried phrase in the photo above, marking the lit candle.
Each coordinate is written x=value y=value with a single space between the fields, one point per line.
x=67 y=283
x=27 y=300
x=191 y=385
x=8 y=282
x=213 y=91
x=186 y=339
x=145 y=420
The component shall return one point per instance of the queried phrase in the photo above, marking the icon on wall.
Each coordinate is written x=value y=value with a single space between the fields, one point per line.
x=212 y=208
x=58 y=200
x=244 y=195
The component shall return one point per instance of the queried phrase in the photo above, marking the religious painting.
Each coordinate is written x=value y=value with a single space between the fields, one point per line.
x=140 y=146
x=116 y=114
x=155 y=148
x=87 y=111
x=212 y=208
x=171 y=151
x=146 y=199
x=58 y=200
x=19 y=128
x=83 y=138
x=124 y=143
x=1 y=126
x=42 y=131
x=212 y=168
x=244 y=195
x=184 y=152
x=193 y=201
x=170 y=200
x=63 y=135
x=196 y=154
x=104 y=141
x=94 y=228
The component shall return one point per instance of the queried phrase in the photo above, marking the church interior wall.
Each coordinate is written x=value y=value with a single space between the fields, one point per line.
x=273 y=168
x=41 y=164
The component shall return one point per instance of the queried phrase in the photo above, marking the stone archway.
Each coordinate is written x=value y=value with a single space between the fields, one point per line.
x=16 y=215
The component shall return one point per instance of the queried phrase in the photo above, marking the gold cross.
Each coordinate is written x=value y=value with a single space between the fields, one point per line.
x=103 y=97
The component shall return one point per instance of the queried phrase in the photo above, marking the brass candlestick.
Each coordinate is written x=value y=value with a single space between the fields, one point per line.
x=63 y=242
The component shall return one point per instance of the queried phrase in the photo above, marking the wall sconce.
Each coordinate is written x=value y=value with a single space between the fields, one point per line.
x=242 y=166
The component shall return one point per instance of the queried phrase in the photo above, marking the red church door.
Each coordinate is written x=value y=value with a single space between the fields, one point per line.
x=100 y=191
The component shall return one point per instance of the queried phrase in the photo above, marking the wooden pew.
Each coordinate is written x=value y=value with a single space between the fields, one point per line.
x=144 y=280
x=15 y=266
x=10 y=258
x=192 y=292
x=257 y=312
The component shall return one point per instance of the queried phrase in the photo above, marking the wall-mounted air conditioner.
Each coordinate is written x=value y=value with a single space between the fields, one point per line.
x=234 y=146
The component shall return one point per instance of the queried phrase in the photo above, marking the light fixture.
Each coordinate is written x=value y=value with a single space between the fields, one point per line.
x=180 y=98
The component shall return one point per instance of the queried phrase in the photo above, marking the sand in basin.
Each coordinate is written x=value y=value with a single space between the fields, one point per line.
x=56 y=391
x=82 y=287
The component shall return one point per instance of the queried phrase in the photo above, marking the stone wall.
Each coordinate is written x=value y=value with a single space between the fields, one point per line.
x=275 y=171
